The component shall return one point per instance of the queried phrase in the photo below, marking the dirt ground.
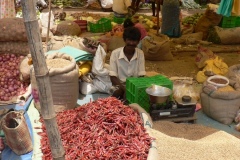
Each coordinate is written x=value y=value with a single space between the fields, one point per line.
x=184 y=65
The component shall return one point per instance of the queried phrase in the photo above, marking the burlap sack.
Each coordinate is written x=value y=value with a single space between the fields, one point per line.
x=58 y=42
x=115 y=42
x=210 y=18
x=234 y=76
x=14 y=47
x=224 y=35
x=64 y=84
x=156 y=50
x=16 y=132
x=191 y=38
x=220 y=105
x=12 y=29
x=24 y=70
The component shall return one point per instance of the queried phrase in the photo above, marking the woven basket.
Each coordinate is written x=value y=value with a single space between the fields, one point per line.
x=16 y=133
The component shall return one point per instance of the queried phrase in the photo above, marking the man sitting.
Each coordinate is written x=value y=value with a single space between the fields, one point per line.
x=127 y=61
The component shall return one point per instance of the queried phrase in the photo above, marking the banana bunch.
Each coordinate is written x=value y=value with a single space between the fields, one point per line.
x=192 y=20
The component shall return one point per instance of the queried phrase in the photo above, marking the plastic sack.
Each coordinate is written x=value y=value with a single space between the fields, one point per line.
x=217 y=66
x=221 y=105
x=87 y=88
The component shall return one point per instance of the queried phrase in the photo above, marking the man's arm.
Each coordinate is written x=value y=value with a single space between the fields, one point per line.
x=116 y=82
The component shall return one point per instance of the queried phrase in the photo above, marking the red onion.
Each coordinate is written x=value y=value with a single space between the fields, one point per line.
x=10 y=84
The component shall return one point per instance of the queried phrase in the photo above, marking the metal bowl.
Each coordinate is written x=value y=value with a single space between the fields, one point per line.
x=158 y=94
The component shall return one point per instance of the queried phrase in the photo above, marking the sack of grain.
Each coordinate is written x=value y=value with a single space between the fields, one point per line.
x=12 y=29
x=67 y=27
x=234 y=76
x=63 y=74
x=220 y=35
x=14 y=47
x=210 y=18
x=156 y=49
x=115 y=42
x=219 y=104
x=191 y=38
x=58 y=42
x=24 y=70
x=16 y=132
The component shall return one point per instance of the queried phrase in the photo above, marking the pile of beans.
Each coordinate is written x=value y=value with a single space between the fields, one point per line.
x=219 y=81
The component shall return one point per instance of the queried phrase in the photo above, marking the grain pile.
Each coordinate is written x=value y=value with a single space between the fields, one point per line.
x=57 y=63
x=193 y=141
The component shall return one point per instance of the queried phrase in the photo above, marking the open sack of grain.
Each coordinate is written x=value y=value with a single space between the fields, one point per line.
x=177 y=141
x=221 y=102
x=63 y=74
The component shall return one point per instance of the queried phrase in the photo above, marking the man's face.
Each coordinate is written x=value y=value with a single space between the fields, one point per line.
x=131 y=44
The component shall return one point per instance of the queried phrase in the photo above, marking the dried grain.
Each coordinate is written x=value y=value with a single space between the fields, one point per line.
x=192 y=141
x=57 y=63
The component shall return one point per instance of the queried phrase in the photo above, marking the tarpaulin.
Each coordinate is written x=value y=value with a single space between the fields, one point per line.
x=77 y=54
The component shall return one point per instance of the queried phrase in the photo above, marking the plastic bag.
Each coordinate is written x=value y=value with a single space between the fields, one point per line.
x=182 y=89
x=216 y=66
x=98 y=62
x=87 y=88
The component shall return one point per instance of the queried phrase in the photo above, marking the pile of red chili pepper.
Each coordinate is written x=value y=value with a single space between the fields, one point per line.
x=100 y=130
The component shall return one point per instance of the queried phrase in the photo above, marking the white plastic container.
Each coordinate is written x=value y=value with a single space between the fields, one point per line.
x=217 y=85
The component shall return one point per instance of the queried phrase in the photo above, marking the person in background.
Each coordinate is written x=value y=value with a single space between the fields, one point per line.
x=154 y=3
x=122 y=8
x=127 y=61
x=128 y=23
x=170 y=18
x=106 y=5
x=135 y=4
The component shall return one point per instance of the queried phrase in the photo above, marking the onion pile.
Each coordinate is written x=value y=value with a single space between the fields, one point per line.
x=10 y=84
